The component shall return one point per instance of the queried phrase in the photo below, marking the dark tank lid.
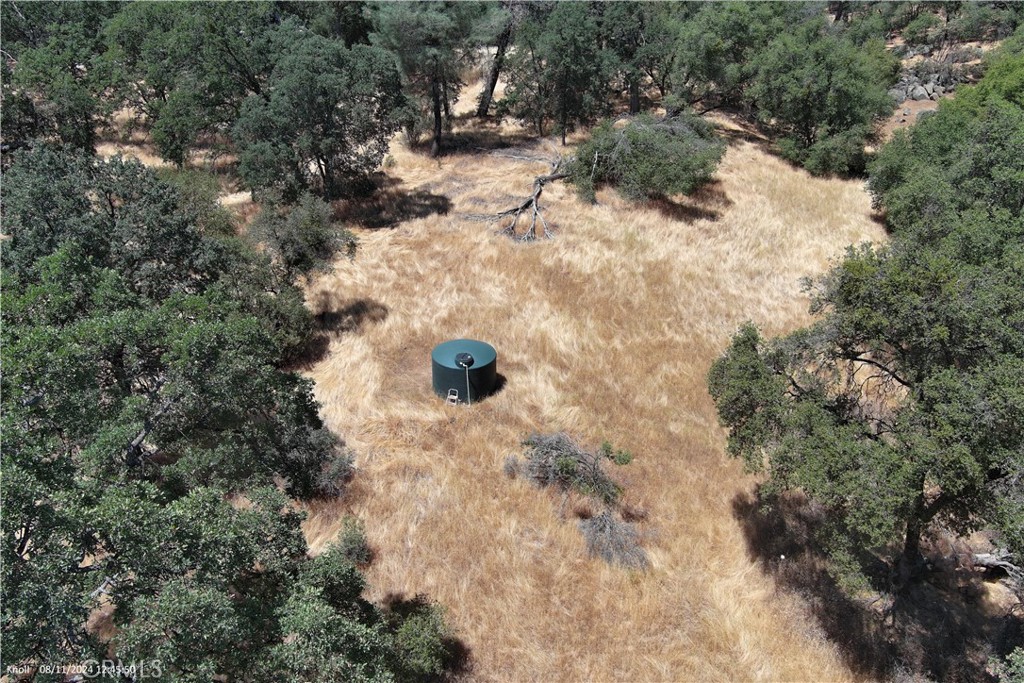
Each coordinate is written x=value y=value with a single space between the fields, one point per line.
x=446 y=353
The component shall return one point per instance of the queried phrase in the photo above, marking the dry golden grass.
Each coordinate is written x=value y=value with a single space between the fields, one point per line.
x=607 y=332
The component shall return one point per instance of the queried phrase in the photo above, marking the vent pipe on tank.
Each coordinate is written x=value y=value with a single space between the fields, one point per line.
x=465 y=360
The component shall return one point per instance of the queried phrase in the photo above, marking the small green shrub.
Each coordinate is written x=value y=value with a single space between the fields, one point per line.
x=1010 y=669
x=839 y=154
x=302 y=237
x=336 y=474
x=352 y=541
x=420 y=641
x=648 y=157
x=618 y=456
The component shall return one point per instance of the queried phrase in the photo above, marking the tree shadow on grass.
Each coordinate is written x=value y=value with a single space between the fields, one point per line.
x=938 y=626
x=458 y=658
x=473 y=135
x=706 y=203
x=350 y=316
x=333 y=317
x=390 y=204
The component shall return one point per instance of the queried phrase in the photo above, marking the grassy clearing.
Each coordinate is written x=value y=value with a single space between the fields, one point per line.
x=605 y=332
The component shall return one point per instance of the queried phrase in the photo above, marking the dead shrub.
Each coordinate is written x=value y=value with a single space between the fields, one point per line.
x=557 y=460
x=614 y=541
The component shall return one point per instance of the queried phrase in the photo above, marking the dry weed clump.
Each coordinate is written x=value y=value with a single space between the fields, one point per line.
x=614 y=540
x=557 y=460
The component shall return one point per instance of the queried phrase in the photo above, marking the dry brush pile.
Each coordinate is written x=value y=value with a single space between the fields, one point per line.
x=558 y=461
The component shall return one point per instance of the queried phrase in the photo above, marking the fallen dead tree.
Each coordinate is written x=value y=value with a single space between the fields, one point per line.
x=999 y=562
x=642 y=157
x=508 y=220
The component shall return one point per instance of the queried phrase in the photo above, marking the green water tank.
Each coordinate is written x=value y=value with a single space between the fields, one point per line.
x=467 y=366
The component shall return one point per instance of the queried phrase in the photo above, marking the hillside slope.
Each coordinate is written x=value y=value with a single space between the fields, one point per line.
x=607 y=332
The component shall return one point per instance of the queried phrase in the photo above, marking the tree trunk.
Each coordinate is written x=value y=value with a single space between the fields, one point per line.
x=492 y=74
x=563 y=120
x=435 y=94
x=444 y=102
x=911 y=556
x=634 y=95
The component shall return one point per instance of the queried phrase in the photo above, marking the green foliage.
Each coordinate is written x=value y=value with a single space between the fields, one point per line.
x=961 y=168
x=325 y=121
x=894 y=411
x=647 y=157
x=420 y=639
x=352 y=542
x=433 y=42
x=199 y=193
x=640 y=43
x=187 y=67
x=118 y=213
x=197 y=653
x=557 y=460
x=150 y=441
x=327 y=633
x=132 y=384
x=717 y=47
x=336 y=474
x=618 y=456
x=345 y=21
x=822 y=93
x=1010 y=669
x=923 y=29
x=557 y=72
x=303 y=237
x=57 y=73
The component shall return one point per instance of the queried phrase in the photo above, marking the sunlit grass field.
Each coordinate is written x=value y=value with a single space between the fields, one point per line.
x=607 y=332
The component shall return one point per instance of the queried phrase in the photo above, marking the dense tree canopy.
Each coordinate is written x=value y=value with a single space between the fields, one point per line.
x=899 y=409
x=154 y=448
x=142 y=405
x=824 y=93
x=55 y=51
x=648 y=156
x=558 y=73
x=433 y=43
x=324 y=118
x=717 y=47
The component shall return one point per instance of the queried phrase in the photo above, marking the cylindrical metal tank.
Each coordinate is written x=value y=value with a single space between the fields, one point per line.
x=464 y=369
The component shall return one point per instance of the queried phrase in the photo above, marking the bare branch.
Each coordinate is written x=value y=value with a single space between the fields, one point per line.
x=508 y=220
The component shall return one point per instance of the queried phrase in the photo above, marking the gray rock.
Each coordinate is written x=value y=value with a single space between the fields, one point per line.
x=929 y=88
x=898 y=95
x=906 y=112
x=918 y=93
x=939 y=90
